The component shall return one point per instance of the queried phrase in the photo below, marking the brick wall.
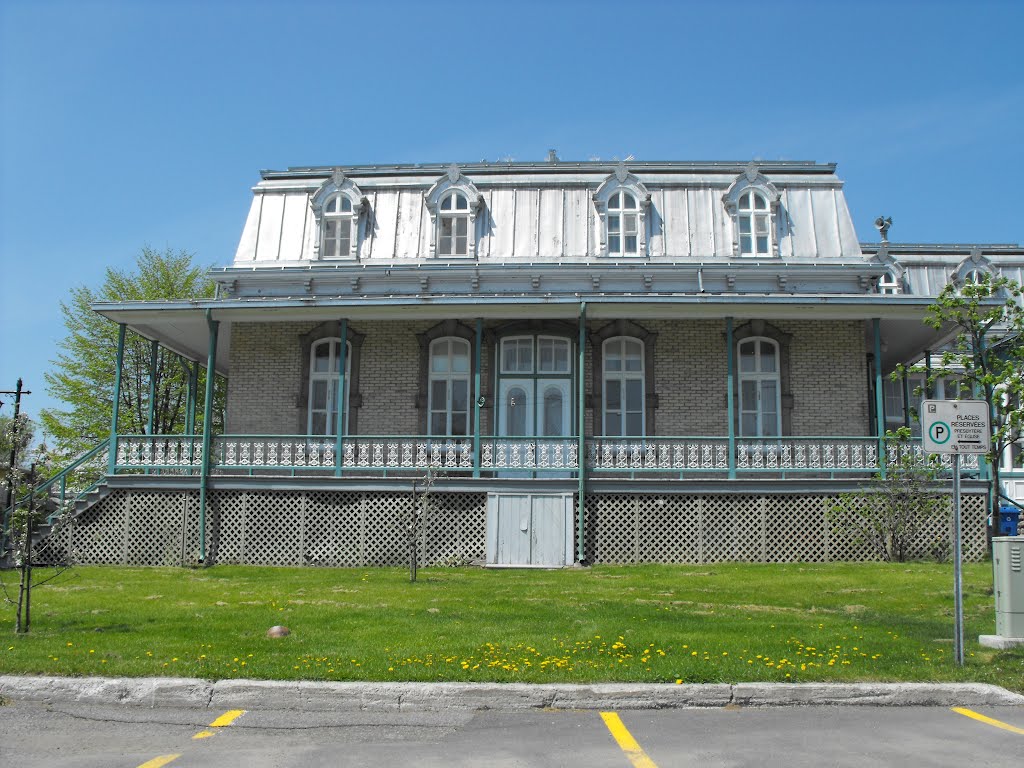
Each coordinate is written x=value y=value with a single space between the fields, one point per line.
x=827 y=369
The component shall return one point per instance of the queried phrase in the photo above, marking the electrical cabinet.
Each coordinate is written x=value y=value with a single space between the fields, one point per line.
x=1008 y=566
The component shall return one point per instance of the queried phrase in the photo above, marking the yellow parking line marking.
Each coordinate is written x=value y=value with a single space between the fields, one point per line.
x=221 y=722
x=626 y=742
x=227 y=718
x=988 y=720
x=157 y=762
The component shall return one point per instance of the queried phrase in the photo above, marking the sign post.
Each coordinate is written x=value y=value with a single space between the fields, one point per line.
x=954 y=427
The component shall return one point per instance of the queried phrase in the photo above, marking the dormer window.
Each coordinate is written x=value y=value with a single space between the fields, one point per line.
x=454 y=204
x=623 y=224
x=337 y=211
x=622 y=203
x=753 y=203
x=453 y=225
x=752 y=219
x=337 y=228
x=888 y=283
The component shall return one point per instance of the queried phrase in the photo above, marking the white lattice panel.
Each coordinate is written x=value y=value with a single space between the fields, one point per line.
x=795 y=529
x=346 y=528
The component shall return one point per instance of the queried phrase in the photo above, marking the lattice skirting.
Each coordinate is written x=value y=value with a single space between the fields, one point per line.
x=638 y=528
x=363 y=528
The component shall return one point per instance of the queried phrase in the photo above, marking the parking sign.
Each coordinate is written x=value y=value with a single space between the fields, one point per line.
x=956 y=426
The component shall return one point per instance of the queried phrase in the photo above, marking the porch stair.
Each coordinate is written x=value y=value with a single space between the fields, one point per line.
x=71 y=491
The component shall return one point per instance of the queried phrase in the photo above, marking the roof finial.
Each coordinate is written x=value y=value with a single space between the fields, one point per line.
x=883 y=223
x=552 y=155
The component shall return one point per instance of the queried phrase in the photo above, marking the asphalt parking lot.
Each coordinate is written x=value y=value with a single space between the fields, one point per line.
x=63 y=734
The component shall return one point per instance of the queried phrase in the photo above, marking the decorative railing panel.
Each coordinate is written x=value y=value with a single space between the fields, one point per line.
x=265 y=452
x=412 y=453
x=159 y=451
x=673 y=454
x=807 y=454
x=536 y=454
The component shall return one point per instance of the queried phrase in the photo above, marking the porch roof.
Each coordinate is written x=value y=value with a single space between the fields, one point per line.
x=182 y=326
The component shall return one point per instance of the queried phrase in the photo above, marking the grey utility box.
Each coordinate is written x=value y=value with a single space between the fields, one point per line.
x=1008 y=565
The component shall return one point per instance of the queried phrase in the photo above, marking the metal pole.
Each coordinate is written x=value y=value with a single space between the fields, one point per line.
x=342 y=400
x=958 y=587
x=730 y=395
x=927 y=374
x=154 y=347
x=11 y=494
x=204 y=472
x=879 y=397
x=112 y=447
x=906 y=399
x=581 y=458
x=477 y=395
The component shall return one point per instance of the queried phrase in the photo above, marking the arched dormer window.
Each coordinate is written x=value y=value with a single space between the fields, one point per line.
x=453 y=225
x=974 y=269
x=337 y=228
x=889 y=283
x=622 y=202
x=753 y=203
x=337 y=211
x=453 y=203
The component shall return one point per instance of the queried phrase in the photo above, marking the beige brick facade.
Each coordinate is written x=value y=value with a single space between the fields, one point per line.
x=827 y=362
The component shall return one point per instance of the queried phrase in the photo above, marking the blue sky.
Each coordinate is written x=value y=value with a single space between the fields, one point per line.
x=124 y=124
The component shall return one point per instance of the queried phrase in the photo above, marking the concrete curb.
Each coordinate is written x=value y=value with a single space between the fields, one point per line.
x=188 y=693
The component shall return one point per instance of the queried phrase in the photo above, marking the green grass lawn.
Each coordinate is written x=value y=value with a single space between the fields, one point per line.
x=726 y=622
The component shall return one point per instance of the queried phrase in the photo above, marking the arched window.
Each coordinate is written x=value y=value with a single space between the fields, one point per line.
x=623 y=224
x=448 y=390
x=337 y=228
x=888 y=283
x=623 y=387
x=323 y=386
x=759 y=387
x=753 y=220
x=453 y=225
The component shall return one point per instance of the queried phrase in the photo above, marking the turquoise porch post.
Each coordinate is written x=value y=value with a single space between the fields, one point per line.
x=342 y=403
x=906 y=398
x=581 y=456
x=730 y=395
x=204 y=472
x=477 y=394
x=154 y=348
x=112 y=447
x=879 y=396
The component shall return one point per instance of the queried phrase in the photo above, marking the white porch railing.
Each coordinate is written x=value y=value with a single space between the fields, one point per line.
x=375 y=454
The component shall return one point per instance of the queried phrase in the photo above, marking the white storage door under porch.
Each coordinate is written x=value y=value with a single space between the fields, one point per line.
x=526 y=529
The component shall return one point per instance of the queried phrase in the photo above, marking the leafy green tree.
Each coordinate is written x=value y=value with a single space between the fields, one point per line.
x=986 y=355
x=83 y=374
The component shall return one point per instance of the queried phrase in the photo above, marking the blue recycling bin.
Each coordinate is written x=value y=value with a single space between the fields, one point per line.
x=1009 y=518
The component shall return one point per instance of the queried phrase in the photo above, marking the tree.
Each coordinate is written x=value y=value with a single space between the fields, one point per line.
x=890 y=514
x=84 y=370
x=986 y=356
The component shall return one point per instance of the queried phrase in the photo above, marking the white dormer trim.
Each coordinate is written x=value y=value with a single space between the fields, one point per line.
x=453 y=181
x=622 y=181
x=898 y=273
x=753 y=179
x=973 y=264
x=337 y=185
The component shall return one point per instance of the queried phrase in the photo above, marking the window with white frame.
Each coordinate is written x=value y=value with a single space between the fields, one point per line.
x=337 y=228
x=323 y=386
x=759 y=387
x=888 y=283
x=623 y=224
x=453 y=225
x=448 y=390
x=623 y=387
x=753 y=221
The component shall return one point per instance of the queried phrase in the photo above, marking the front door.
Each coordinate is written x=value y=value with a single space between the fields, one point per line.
x=529 y=411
